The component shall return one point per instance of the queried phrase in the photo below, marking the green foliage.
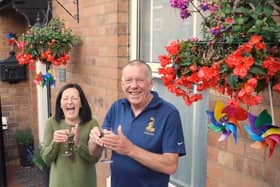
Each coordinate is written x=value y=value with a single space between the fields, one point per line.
x=249 y=17
x=53 y=36
x=24 y=136
x=38 y=160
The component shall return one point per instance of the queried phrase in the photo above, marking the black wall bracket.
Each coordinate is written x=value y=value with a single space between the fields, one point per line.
x=75 y=16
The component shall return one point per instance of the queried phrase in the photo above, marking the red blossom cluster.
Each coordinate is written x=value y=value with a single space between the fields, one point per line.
x=243 y=74
x=180 y=78
x=45 y=57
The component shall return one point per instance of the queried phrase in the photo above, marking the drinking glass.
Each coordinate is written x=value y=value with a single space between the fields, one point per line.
x=106 y=159
x=69 y=144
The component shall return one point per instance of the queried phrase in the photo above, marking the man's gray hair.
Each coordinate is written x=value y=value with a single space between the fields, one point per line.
x=140 y=62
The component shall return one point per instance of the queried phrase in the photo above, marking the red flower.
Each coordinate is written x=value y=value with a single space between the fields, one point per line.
x=249 y=87
x=229 y=20
x=240 y=64
x=241 y=75
x=272 y=65
x=255 y=39
x=20 y=45
x=173 y=48
x=276 y=87
x=164 y=60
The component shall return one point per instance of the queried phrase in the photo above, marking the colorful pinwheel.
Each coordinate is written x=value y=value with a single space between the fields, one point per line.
x=261 y=130
x=11 y=38
x=225 y=119
x=44 y=79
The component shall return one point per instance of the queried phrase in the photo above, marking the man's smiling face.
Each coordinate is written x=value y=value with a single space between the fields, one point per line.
x=137 y=84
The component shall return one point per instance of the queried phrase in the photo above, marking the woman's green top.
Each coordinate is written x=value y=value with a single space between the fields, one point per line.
x=76 y=171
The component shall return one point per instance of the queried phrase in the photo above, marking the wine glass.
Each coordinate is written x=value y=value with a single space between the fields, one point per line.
x=106 y=159
x=69 y=144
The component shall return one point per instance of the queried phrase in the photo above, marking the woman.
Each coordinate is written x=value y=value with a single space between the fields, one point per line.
x=77 y=167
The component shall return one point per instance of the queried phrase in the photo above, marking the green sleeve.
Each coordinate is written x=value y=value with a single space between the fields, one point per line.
x=50 y=149
x=83 y=149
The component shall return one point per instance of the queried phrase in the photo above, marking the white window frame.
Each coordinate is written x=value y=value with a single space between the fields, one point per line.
x=135 y=33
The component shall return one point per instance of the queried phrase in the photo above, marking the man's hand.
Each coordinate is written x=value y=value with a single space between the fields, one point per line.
x=95 y=136
x=120 y=143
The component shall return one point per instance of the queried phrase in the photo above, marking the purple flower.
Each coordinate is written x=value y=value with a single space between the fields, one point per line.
x=204 y=6
x=215 y=31
x=181 y=4
x=213 y=8
x=185 y=14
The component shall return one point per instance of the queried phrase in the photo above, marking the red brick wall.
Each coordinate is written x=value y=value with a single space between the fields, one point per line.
x=17 y=99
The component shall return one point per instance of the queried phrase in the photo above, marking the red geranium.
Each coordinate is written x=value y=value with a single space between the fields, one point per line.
x=242 y=74
x=48 y=44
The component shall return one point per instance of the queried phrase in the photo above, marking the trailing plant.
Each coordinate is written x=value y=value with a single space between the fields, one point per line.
x=239 y=54
x=48 y=44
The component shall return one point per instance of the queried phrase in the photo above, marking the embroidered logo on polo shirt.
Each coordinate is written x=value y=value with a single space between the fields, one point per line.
x=150 y=129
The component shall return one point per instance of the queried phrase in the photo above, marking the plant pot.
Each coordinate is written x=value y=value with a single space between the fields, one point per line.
x=25 y=153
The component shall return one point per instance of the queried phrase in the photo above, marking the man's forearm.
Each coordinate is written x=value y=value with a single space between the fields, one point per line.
x=165 y=163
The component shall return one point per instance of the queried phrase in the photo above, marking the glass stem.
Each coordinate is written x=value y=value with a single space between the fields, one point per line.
x=105 y=153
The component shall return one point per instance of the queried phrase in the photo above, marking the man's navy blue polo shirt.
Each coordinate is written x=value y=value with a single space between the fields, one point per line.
x=157 y=129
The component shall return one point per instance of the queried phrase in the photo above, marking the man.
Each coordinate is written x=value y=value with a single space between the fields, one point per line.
x=147 y=138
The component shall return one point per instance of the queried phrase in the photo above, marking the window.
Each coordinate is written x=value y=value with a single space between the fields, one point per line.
x=159 y=24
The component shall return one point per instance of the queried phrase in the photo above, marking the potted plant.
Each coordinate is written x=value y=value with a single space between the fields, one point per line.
x=49 y=44
x=25 y=145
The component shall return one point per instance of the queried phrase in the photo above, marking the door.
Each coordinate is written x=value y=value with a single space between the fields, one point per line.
x=3 y=179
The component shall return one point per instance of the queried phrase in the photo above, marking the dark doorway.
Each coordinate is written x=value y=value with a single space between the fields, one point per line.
x=3 y=180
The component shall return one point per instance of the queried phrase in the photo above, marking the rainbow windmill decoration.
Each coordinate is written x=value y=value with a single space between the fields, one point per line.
x=44 y=79
x=225 y=119
x=261 y=130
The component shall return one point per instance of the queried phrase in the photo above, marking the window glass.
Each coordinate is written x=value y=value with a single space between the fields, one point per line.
x=159 y=25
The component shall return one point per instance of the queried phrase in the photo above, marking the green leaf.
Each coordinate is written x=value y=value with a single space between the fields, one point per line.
x=236 y=28
x=260 y=86
x=24 y=136
x=257 y=70
x=268 y=10
x=232 y=81
x=228 y=10
x=259 y=22
x=185 y=62
x=239 y=21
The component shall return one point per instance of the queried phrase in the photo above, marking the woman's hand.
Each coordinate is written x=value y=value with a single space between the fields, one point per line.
x=60 y=136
